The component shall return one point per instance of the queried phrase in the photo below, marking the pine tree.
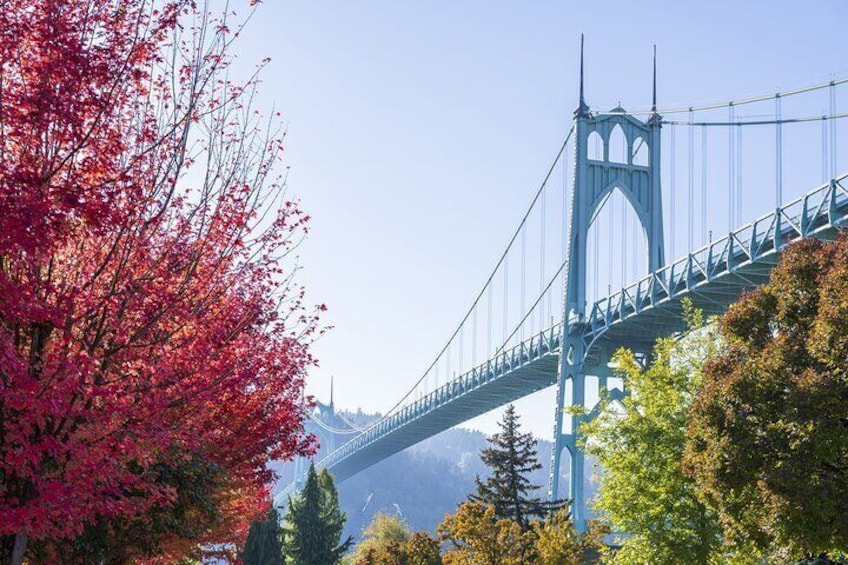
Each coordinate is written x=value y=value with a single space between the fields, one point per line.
x=314 y=523
x=512 y=457
x=264 y=545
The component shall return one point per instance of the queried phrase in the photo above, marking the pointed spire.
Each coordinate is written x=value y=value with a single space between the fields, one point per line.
x=582 y=109
x=331 y=390
x=655 y=119
x=654 y=98
x=582 y=100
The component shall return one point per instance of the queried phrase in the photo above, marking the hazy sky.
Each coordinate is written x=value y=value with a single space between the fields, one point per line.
x=418 y=132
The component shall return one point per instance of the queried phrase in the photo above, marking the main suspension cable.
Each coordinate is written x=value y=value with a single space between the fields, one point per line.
x=488 y=282
x=822 y=117
x=741 y=102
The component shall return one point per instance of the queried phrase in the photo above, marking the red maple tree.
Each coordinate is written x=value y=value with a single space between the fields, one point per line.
x=153 y=343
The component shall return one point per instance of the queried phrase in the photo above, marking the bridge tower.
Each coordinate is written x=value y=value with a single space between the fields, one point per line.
x=328 y=440
x=594 y=181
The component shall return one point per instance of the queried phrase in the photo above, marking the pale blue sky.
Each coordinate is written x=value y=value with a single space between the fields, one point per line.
x=418 y=132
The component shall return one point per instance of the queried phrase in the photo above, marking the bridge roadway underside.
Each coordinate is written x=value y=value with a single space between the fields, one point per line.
x=713 y=295
x=638 y=332
x=646 y=313
x=517 y=383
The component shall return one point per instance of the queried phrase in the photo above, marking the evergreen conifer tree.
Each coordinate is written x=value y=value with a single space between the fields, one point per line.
x=314 y=523
x=512 y=457
x=264 y=545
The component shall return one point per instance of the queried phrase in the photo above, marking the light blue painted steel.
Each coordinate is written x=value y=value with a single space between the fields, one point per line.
x=513 y=374
x=712 y=277
x=594 y=182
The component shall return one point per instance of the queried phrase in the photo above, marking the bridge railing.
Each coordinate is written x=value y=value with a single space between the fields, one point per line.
x=821 y=209
x=540 y=344
x=543 y=343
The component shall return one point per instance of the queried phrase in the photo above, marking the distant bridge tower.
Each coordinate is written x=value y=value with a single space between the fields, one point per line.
x=328 y=440
x=594 y=181
x=326 y=413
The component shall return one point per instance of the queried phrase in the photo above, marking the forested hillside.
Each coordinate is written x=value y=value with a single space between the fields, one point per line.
x=422 y=483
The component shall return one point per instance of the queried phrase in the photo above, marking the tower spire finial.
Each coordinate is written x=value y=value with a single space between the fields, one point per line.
x=331 y=390
x=654 y=97
x=582 y=100
x=582 y=108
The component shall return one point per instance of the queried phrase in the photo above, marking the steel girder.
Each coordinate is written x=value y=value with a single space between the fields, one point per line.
x=713 y=277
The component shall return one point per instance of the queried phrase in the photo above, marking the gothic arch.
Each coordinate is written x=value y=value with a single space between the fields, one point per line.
x=595 y=147
x=640 y=152
x=617 y=145
x=641 y=212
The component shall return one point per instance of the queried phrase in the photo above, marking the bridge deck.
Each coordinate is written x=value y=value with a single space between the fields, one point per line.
x=713 y=277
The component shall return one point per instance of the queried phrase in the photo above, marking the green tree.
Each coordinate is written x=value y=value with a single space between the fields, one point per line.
x=384 y=534
x=558 y=543
x=643 y=490
x=264 y=545
x=511 y=457
x=768 y=442
x=386 y=541
x=477 y=536
x=393 y=553
x=422 y=549
x=314 y=523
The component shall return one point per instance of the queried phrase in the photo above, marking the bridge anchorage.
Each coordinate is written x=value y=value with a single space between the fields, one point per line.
x=574 y=353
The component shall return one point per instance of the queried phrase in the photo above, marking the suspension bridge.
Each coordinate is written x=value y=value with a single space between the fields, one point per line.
x=612 y=225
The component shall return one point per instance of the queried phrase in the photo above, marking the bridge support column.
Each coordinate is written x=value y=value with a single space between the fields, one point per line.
x=594 y=180
x=572 y=411
x=577 y=469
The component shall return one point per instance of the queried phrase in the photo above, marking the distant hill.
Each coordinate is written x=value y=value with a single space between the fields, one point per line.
x=422 y=483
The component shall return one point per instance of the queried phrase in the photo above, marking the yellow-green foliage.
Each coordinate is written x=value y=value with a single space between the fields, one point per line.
x=387 y=541
x=478 y=537
x=643 y=490
x=381 y=533
x=558 y=543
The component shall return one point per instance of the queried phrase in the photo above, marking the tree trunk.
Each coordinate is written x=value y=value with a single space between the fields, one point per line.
x=12 y=549
x=18 y=549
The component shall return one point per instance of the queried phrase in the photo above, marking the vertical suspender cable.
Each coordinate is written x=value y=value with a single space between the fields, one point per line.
x=594 y=227
x=672 y=188
x=610 y=238
x=595 y=260
x=691 y=198
x=474 y=338
x=834 y=166
x=542 y=260
x=564 y=224
x=824 y=148
x=523 y=277
x=489 y=319
x=461 y=347
x=448 y=376
x=738 y=174
x=731 y=169
x=624 y=231
x=506 y=299
x=703 y=185
x=636 y=241
x=633 y=236
x=778 y=149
